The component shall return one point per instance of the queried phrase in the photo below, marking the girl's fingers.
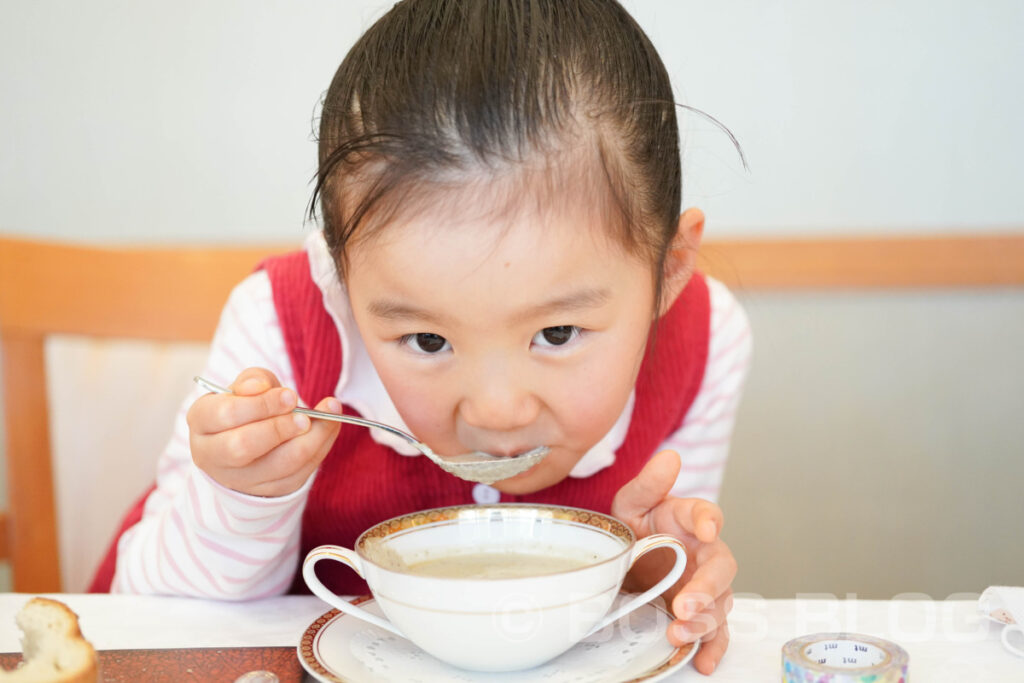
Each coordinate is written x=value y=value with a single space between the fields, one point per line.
x=283 y=486
x=711 y=650
x=279 y=472
x=256 y=395
x=710 y=628
x=216 y=413
x=324 y=432
x=696 y=517
x=707 y=520
x=286 y=467
x=254 y=381
x=646 y=490
x=702 y=625
x=243 y=445
x=712 y=578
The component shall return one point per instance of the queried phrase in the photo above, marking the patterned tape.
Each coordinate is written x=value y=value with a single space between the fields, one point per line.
x=843 y=658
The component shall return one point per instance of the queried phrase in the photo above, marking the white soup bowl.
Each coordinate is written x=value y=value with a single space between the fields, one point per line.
x=495 y=624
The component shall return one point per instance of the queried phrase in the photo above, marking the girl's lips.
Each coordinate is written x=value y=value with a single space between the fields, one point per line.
x=508 y=450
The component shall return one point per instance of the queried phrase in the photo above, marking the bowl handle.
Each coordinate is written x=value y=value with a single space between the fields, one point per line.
x=642 y=547
x=347 y=557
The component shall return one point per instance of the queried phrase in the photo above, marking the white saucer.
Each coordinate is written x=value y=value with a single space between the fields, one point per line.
x=338 y=648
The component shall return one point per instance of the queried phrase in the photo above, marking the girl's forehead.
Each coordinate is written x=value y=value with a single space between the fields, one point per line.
x=549 y=196
x=476 y=222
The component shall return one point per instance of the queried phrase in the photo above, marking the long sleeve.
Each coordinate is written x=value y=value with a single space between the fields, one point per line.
x=196 y=537
x=703 y=438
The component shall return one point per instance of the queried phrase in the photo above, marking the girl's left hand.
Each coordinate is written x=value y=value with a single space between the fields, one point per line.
x=702 y=597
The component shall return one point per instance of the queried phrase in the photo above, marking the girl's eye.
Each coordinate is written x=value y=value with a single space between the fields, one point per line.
x=556 y=336
x=426 y=342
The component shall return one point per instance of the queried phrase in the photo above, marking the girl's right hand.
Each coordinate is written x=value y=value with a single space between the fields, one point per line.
x=250 y=441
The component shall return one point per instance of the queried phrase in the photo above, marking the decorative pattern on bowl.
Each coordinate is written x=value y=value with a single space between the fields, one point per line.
x=456 y=512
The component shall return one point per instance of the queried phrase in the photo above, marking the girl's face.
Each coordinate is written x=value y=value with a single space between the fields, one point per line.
x=503 y=335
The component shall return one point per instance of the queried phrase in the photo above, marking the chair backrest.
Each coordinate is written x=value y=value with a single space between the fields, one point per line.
x=176 y=294
x=46 y=288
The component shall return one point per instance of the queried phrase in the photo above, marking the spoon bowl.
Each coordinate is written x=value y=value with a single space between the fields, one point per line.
x=477 y=466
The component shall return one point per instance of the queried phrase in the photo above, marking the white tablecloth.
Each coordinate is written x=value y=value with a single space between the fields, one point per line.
x=947 y=640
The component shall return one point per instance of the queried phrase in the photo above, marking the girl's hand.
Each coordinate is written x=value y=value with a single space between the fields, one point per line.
x=250 y=441
x=702 y=597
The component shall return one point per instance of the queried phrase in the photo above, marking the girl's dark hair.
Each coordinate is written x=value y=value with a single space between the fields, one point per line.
x=438 y=90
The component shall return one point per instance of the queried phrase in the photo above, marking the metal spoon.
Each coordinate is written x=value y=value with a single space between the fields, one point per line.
x=476 y=466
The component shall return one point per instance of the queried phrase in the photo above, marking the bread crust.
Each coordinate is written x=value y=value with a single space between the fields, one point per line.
x=71 y=640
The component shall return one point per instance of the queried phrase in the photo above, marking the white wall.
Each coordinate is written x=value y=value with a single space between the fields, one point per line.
x=878 y=449
x=870 y=115
x=143 y=121
x=136 y=120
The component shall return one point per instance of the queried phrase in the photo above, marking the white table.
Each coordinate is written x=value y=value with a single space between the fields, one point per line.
x=947 y=640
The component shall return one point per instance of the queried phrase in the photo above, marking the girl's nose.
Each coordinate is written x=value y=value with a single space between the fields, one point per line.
x=496 y=401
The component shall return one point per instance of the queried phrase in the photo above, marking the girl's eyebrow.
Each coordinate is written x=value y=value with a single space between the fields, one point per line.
x=573 y=301
x=388 y=309
x=393 y=310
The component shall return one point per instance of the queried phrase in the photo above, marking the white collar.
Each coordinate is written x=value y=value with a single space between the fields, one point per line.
x=360 y=387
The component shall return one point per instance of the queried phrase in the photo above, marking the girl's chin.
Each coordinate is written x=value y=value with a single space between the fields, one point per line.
x=521 y=484
x=538 y=477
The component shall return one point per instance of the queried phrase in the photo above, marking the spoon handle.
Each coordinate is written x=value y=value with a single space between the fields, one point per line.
x=351 y=419
x=348 y=419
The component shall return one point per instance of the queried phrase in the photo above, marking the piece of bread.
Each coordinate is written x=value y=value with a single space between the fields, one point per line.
x=52 y=646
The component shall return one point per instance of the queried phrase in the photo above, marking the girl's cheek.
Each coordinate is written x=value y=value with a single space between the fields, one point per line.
x=421 y=406
x=419 y=416
x=595 y=401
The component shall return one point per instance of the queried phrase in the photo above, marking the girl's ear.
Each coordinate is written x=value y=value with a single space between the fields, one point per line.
x=681 y=259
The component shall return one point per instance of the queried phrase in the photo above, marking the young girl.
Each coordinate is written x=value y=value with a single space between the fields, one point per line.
x=503 y=265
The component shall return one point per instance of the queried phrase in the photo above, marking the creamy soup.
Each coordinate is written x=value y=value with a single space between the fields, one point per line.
x=496 y=565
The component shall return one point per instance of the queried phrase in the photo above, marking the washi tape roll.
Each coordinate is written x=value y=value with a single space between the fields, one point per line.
x=843 y=658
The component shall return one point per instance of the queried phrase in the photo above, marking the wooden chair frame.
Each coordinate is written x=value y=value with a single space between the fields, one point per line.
x=155 y=293
x=176 y=293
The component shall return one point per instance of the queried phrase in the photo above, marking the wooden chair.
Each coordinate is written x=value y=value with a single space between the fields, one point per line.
x=153 y=293
x=177 y=293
